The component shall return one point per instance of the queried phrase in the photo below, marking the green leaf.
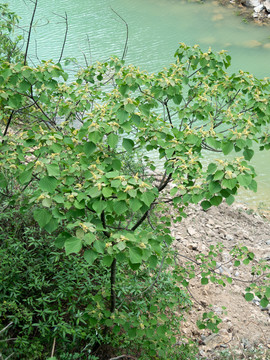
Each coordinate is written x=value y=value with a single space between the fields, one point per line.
x=25 y=177
x=99 y=246
x=135 y=255
x=120 y=207
x=253 y=186
x=227 y=147
x=230 y=199
x=51 y=226
x=214 y=187
x=219 y=175
x=213 y=142
x=204 y=281
x=248 y=153
x=244 y=180
x=153 y=261
x=128 y=144
x=264 y=302
x=42 y=216
x=3 y=181
x=99 y=206
x=211 y=168
x=112 y=140
x=48 y=184
x=267 y=292
x=53 y=170
x=249 y=296
x=90 y=256
x=135 y=204
x=73 y=245
x=229 y=183
x=216 y=200
x=89 y=238
x=148 y=197
x=205 y=204
x=107 y=192
x=122 y=115
x=89 y=148
x=107 y=260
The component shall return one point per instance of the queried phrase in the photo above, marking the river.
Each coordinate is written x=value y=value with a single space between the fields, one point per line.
x=155 y=29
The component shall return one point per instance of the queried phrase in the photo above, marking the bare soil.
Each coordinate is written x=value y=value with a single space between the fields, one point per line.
x=245 y=324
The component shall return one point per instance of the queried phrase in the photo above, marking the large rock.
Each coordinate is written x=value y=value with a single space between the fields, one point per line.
x=267 y=5
x=251 y=3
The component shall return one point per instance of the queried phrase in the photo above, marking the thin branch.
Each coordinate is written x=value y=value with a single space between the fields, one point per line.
x=123 y=356
x=53 y=347
x=8 y=124
x=66 y=33
x=149 y=288
x=29 y=32
x=113 y=279
x=126 y=42
x=5 y=328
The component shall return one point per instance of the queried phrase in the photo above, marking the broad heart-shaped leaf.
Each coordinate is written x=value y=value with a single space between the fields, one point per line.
x=135 y=204
x=148 y=197
x=120 y=207
x=248 y=153
x=122 y=115
x=205 y=204
x=89 y=148
x=128 y=144
x=214 y=187
x=216 y=200
x=112 y=140
x=135 y=255
x=249 y=296
x=264 y=302
x=51 y=226
x=53 y=169
x=227 y=147
x=42 y=216
x=244 y=179
x=25 y=177
x=99 y=246
x=48 y=184
x=73 y=245
x=107 y=260
x=90 y=256
x=211 y=168
x=230 y=199
x=253 y=186
x=99 y=206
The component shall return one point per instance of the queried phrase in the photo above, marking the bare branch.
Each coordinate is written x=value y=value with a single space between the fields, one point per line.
x=66 y=33
x=123 y=356
x=5 y=328
x=29 y=32
x=126 y=42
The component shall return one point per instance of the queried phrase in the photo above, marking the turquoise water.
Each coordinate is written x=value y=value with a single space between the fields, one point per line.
x=155 y=29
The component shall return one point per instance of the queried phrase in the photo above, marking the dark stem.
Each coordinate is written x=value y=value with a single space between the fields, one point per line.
x=126 y=42
x=113 y=294
x=65 y=37
x=29 y=33
x=8 y=124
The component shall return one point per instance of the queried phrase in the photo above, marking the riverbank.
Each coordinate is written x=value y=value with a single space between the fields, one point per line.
x=245 y=326
x=257 y=11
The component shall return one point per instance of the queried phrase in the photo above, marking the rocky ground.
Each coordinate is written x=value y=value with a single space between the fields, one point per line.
x=245 y=324
x=254 y=10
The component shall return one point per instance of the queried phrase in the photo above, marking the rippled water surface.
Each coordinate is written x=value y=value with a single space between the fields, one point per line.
x=155 y=29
